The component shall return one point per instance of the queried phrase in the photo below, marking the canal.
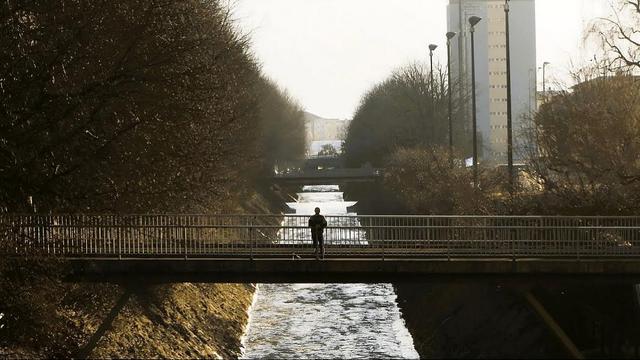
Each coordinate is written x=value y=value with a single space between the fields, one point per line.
x=326 y=320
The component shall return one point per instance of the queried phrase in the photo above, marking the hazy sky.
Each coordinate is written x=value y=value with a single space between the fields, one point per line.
x=327 y=53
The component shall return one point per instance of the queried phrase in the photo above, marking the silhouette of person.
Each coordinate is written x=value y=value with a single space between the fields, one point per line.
x=317 y=223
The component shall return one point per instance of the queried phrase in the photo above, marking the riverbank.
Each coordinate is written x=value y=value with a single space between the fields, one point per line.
x=132 y=320
x=139 y=321
x=177 y=321
x=470 y=320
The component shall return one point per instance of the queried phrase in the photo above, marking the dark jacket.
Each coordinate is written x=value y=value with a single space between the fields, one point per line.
x=317 y=223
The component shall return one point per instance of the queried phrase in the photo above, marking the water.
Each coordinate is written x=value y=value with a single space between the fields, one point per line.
x=326 y=320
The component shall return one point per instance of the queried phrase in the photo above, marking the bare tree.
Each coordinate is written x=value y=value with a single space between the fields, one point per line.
x=129 y=106
x=620 y=35
x=405 y=110
x=427 y=183
x=587 y=144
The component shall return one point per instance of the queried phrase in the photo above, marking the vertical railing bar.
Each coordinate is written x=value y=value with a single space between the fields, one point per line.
x=251 y=236
x=182 y=223
x=449 y=236
x=156 y=246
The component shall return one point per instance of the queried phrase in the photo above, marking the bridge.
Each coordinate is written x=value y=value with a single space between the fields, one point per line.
x=329 y=176
x=323 y=162
x=277 y=248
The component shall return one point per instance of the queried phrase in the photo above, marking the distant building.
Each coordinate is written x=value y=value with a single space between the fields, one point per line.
x=491 y=68
x=322 y=131
x=545 y=96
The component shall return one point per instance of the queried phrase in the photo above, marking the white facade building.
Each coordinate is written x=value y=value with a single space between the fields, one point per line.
x=491 y=69
x=321 y=131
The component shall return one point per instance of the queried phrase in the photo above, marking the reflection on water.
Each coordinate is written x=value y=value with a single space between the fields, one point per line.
x=327 y=320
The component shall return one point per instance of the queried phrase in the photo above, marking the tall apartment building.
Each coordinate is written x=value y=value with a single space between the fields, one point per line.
x=491 y=69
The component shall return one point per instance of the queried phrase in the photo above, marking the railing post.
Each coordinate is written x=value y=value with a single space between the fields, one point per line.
x=449 y=231
x=184 y=239
x=251 y=236
x=449 y=245
x=383 y=238
x=578 y=245
x=512 y=241
x=118 y=235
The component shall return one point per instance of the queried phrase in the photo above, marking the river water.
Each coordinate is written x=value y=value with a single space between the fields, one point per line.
x=326 y=320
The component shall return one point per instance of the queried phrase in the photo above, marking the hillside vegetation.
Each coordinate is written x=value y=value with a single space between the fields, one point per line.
x=134 y=106
x=137 y=106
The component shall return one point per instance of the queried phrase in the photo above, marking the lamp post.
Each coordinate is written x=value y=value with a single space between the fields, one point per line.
x=450 y=36
x=544 y=79
x=473 y=21
x=509 y=107
x=432 y=47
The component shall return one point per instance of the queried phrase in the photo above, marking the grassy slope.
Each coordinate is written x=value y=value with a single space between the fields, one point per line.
x=179 y=321
x=169 y=321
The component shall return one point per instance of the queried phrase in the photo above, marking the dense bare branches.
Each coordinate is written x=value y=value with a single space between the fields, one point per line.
x=144 y=105
x=405 y=110
x=620 y=35
x=427 y=183
x=282 y=131
x=588 y=143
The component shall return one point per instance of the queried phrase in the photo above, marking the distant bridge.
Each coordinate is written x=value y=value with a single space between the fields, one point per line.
x=277 y=248
x=323 y=162
x=329 y=176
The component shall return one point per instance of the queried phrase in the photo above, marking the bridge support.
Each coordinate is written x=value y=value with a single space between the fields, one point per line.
x=571 y=349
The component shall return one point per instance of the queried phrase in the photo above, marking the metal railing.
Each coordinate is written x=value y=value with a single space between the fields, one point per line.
x=249 y=236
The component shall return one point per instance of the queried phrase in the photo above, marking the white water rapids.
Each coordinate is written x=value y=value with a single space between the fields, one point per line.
x=326 y=320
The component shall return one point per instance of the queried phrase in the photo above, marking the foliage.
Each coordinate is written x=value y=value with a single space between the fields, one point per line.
x=282 y=127
x=136 y=106
x=328 y=150
x=403 y=111
x=429 y=182
x=585 y=161
x=588 y=142
x=587 y=139
x=30 y=291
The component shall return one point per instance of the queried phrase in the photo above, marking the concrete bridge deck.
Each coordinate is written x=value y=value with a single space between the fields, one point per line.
x=350 y=270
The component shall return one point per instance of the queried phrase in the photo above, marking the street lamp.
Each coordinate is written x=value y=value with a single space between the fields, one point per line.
x=473 y=21
x=544 y=79
x=432 y=47
x=450 y=36
x=509 y=107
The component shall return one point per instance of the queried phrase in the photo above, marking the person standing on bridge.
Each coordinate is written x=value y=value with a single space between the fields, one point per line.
x=317 y=223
